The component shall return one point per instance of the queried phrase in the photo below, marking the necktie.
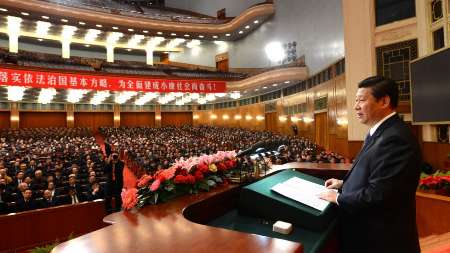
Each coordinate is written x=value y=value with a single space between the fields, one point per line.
x=366 y=142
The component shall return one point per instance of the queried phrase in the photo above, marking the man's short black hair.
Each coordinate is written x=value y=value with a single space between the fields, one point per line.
x=382 y=87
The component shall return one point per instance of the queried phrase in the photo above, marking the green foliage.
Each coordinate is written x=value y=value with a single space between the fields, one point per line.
x=49 y=247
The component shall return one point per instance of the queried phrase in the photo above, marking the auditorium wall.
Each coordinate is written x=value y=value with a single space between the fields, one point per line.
x=176 y=118
x=136 y=119
x=42 y=119
x=93 y=120
x=5 y=119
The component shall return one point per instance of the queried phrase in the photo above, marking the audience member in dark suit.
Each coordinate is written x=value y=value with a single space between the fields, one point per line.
x=27 y=203
x=75 y=197
x=377 y=197
x=107 y=149
x=114 y=172
x=48 y=200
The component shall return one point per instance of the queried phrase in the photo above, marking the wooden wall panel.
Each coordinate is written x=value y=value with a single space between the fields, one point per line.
x=133 y=119
x=436 y=154
x=93 y=120
x=5 y=118
x=42 y=119
x=272 y=121
x=321 y=129
x=176 y=118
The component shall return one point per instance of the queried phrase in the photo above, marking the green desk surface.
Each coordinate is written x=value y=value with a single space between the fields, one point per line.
x=258 y=200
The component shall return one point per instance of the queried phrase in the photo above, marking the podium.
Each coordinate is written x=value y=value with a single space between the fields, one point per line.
x=255 y=208
x=259 y=200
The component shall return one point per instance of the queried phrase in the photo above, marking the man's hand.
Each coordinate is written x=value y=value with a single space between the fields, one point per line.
x=333 y=183
x=330 y=196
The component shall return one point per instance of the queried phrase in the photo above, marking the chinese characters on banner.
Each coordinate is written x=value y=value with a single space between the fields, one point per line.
x=38 y=79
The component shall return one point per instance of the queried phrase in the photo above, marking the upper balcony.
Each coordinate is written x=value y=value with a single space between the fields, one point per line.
x=94 y=14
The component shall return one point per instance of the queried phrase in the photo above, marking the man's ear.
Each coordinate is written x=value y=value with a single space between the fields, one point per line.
x=386 y=102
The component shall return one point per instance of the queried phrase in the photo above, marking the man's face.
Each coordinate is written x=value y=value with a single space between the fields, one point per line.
x=27 y=194
x=368 y=109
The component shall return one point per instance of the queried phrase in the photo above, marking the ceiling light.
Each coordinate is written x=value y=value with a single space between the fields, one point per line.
x=175 y=42
x=274 y=51
x=42 y=28
x=173 y=34
x=124 y=96
x=146 y=98
x=248 y=117
x=186 y=35
x=68 y=31
x=99 y=97
x=201 y=36
x=159 y=33
x=210 y=97
x=91 y=35
x=247 y=27
x=193 y=43
x=115 y=28
x=64 y=20
x=215 y=37
x=275 y=85
x=287 y=81
x=235 y=95
x=256 y=21
x=135 y=40
x=145 y=31
x=87 y=45
x=155 y=41
x=237 y=117
x=256 y=89
x=189 y=17
x=15 y=93
x=25 y=13
x=130 y=29
x=81 y=23
x=40 y=39
x=3 y=9
x=264 y=87
x=228 y=35
x=46 y=95
x=241 y=32
x=45 y=17
x=113 y=38
x=128 y=49
x=98 y=25
x=75 y=95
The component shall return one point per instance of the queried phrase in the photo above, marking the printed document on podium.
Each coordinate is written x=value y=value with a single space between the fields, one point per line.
x=303 y=191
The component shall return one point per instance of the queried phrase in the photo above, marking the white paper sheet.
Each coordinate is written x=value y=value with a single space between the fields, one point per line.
x=303 y=191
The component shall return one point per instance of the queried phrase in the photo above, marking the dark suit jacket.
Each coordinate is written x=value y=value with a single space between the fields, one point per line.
x=23 y=205
x=377 y=201
x=118 y=172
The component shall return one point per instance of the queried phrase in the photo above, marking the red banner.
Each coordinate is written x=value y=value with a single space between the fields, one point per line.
x=37 y=79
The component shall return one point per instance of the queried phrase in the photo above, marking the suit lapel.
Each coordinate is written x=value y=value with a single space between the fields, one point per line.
x=388 y=123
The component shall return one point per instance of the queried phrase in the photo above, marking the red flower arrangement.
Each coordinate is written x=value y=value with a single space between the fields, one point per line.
x=183 y=177
x=438 y=183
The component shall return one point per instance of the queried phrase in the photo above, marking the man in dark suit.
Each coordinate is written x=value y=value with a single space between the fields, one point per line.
x=376 y=199
x=27 y=203
x=114 y=172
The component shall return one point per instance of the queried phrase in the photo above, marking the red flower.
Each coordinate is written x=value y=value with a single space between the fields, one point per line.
x=230 y=164
x=144 y=180
x=221 y=166
x=203 y=167
x=129 y=198
x=155 y=185
x=168 y=173
x=188 y=179
x=198 y=175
